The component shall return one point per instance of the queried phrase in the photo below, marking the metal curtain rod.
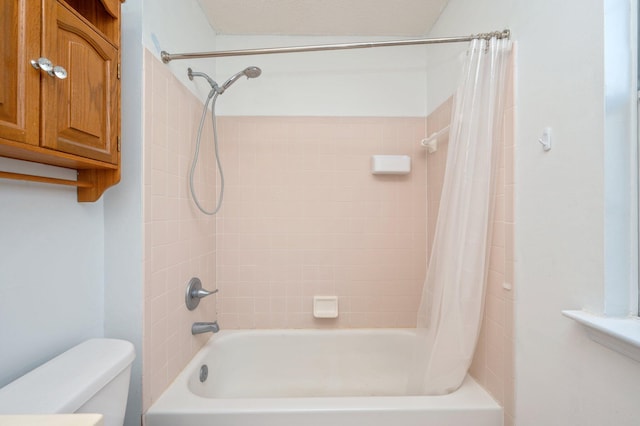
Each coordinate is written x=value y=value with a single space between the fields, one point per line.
x=168 y=57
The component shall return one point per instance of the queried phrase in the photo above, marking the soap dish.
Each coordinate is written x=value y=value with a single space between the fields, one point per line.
x=325 y=306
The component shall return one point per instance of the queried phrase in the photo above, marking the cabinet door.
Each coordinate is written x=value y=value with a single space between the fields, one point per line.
x=19 y=81
x=80 y=113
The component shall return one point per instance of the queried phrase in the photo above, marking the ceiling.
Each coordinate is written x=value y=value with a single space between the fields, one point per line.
x=408 y=18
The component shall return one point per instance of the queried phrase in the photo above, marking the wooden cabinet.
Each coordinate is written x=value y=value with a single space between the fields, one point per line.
x=70 y=122
x=19 y=86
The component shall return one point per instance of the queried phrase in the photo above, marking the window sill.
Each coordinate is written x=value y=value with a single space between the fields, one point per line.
x=620 y=334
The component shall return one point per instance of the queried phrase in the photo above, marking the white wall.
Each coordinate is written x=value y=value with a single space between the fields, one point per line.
x=71 y=271
x=51 y=269
x=562 y=377
x=364 y=82
x=123 y=213
x=180 y=27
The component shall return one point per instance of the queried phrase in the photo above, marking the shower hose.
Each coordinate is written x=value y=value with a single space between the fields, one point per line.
x=212 y=95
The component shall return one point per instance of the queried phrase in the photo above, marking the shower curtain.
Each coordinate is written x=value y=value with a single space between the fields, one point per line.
x=451 y=308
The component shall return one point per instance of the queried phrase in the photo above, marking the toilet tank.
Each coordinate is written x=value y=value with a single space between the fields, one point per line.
x=92 y=377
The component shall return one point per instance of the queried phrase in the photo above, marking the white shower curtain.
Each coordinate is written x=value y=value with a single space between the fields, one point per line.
x=452 y=302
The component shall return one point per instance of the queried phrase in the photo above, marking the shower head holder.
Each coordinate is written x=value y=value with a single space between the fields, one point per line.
x=249 y=72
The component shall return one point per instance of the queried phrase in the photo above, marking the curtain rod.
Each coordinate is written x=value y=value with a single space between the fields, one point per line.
x=168 y=57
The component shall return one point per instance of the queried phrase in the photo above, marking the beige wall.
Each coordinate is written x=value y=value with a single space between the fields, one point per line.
x=304 y=216
x=179 y=243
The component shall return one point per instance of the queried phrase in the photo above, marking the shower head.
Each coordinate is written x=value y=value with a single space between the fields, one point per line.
x=249 y=72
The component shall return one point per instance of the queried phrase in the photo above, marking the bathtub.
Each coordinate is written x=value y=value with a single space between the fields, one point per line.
x=312 y=377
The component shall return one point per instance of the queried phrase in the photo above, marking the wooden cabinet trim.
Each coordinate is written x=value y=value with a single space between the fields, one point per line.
x=20 y=97
x=114 y=42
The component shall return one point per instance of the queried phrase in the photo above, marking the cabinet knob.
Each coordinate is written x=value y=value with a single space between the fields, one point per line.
x=58 y=72
x=46 y=65
x=43 y=64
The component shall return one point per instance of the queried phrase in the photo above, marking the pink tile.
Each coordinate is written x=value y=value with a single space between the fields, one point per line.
x=495 y=309
x=495 y=386
x=509 y=383
x=495 y=347
x=175 y=240
x=302 y=216
x=509 y=241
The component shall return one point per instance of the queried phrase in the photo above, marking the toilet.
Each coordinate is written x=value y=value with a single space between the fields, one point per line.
x=92 y=377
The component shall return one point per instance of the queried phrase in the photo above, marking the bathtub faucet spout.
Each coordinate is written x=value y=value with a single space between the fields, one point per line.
x=205 y=327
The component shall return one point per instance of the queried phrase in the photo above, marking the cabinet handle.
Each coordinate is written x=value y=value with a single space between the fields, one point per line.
x=43 y=64
x=46 y=65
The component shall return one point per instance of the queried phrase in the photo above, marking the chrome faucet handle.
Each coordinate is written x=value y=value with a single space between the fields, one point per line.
x=200 y=293
x=195 y=292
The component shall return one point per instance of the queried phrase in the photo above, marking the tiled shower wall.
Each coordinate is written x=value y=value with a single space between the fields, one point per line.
x=493 y=365
x=304 y=216
x=179 y=243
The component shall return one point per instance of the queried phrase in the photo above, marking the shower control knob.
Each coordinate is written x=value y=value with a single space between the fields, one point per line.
x=195 y=292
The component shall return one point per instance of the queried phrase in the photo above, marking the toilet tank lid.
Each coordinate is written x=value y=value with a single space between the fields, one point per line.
x=65 y=383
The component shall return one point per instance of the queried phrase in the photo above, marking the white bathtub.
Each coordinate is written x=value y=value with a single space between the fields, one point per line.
x=313 y=377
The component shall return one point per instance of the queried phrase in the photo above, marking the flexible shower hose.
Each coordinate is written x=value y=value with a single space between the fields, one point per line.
x=212 y=95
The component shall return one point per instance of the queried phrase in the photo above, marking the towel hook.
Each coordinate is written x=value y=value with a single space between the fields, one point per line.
x=545 y=139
